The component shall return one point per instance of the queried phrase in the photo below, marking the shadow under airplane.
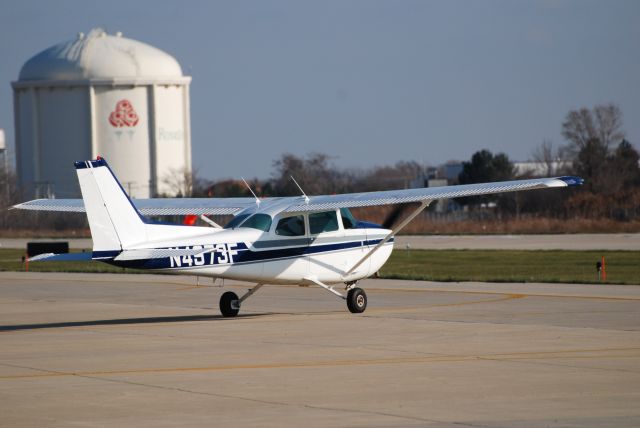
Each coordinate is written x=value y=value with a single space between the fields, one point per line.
x=119 y=321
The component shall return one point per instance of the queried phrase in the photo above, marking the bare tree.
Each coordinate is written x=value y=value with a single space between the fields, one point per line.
x=180 y=182
x=556 y=160
x=608 y=119
x=592 y=134
x=401 y=175
x=602 y=125
x=8 y=195
x=546 y=155
x=313 y=172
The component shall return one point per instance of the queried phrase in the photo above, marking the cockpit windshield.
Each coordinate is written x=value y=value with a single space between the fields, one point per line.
x=235 y=222
x=255 y=221
x=348 y=220
x=258 y=221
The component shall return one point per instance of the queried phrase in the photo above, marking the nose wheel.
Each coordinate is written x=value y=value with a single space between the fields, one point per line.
x=357 y=300
x=356 y=297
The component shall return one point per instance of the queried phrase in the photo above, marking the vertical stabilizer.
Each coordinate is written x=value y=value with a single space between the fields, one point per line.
x=114 y=221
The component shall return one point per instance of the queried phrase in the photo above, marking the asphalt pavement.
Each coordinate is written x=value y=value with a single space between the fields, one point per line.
x=149 y=350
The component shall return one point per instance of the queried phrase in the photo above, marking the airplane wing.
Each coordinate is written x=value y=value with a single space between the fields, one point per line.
x=423 y=196
x=220 y=206
x=426 y=194
x=157 y=206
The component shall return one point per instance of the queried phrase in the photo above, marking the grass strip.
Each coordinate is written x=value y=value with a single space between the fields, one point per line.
x=623 y=267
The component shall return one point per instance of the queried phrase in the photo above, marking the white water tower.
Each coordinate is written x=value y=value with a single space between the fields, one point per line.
x=101 y=95
x=3 y=150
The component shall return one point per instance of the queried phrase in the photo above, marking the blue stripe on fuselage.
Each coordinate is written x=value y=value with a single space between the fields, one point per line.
x=245 y=255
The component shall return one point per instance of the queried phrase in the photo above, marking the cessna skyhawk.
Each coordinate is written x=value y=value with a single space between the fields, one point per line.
x=306 y=240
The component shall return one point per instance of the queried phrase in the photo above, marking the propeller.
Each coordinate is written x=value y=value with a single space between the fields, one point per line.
x=395 y=215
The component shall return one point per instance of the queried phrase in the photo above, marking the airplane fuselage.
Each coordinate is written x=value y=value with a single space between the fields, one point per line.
x=252 y=255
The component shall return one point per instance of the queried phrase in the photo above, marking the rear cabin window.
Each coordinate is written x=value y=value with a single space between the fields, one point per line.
x=291 y=226
x=323 y=222
x=258 y=221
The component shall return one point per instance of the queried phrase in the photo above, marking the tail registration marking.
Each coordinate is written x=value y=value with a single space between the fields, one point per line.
x=220 y=254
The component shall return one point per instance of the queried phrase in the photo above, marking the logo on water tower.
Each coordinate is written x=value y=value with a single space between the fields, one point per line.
x=124 y=117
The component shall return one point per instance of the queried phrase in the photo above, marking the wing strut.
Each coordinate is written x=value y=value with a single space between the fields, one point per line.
x=330 y=289
x=423 y=205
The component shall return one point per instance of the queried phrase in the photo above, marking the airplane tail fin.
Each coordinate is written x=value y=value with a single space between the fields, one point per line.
x=114 y=221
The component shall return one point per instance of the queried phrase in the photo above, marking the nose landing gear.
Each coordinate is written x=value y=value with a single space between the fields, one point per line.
x=356 y=300
x=356 y=297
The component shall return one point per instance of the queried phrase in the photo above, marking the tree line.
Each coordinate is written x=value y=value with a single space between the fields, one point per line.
x=595 y=148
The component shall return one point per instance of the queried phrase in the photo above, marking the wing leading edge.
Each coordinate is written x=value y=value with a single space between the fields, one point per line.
x=391 y=197
x=157 y=206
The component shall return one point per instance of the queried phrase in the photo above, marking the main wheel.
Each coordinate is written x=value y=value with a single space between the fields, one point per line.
x=357 y=300
x=229 y=304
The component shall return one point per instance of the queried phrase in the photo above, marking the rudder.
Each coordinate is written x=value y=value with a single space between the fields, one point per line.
x=114 y=221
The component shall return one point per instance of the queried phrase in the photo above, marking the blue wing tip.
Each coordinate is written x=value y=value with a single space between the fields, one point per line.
x=572 y=180
x=90 y=163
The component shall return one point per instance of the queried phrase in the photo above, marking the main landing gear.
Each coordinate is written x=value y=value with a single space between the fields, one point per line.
x=356 y=298
x=230 y=303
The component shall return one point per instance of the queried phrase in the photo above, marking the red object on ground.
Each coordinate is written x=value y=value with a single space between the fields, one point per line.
x=604 y=270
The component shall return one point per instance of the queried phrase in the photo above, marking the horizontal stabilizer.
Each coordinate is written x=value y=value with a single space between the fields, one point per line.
x=66 y=257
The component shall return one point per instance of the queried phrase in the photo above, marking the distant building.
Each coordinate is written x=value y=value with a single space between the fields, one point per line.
x=106 y=95
x=452 y=171
x=429 y=179
x=541 y=169
x=441 y=205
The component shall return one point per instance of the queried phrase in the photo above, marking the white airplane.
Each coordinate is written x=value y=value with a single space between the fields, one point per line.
x=305 y=240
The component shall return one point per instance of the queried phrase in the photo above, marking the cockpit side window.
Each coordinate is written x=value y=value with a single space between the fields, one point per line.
x=323 y=222
x=258 y=221
x=348 y=220
x=291 y=226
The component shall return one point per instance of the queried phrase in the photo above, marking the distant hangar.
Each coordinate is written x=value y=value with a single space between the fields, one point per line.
x=107 y=95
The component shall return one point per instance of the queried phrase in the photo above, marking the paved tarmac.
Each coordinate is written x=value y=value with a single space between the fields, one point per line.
x=147 y=351
x=580 y=241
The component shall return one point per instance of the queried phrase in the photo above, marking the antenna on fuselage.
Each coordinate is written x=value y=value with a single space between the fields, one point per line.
x=249 y=187
x=306 y=198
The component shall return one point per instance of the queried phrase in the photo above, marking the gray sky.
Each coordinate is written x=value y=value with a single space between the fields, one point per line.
x=367 y=82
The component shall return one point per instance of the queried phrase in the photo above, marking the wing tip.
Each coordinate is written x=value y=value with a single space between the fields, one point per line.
x=571 y=180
